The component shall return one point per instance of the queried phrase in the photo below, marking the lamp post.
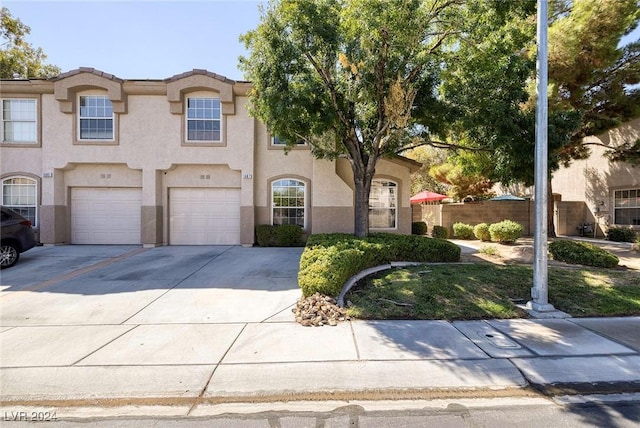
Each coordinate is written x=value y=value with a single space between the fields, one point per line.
x=539 y=305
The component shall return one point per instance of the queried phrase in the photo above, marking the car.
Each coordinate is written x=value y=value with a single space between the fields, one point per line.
x=17 y=237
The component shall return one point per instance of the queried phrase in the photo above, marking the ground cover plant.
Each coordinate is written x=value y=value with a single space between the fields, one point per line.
x=485 y=291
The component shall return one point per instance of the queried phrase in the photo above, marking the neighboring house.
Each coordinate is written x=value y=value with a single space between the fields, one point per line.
x=608 y=192
x=94 y=159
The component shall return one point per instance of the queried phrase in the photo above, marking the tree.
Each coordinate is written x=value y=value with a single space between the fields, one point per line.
x=591 y=88
x=591 y=73
x=461 y=184
x=18 y=59
x=347 y=76
x=421 y=179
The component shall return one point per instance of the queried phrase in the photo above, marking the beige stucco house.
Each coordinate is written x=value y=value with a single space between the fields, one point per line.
x=94 y=159
x=597 y=191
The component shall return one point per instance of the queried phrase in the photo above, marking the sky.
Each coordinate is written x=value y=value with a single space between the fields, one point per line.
x=140 y=39
x=144 y=39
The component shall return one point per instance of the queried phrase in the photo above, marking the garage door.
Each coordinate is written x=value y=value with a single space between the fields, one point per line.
x=105 y=215
x=204 y=216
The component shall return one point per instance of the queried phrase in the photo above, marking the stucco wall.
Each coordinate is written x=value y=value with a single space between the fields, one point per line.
x=149 y=151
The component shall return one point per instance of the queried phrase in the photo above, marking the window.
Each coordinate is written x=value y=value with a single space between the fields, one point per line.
x=277 y=141
x=19 y=194
x=19 y=121
x=288 y=199
x=626 y=209
x=96 y=118
x=383 y=201
x=204 y=119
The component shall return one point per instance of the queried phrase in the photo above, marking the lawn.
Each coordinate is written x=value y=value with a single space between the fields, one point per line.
x=484 y=291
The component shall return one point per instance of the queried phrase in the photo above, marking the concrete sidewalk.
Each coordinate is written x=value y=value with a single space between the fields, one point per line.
x=186 y=365
x=180 y=329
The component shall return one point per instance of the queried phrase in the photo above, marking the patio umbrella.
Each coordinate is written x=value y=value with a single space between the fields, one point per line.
x=426 y=196
x=507 y=197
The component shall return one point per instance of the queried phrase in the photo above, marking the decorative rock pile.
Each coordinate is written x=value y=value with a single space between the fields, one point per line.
x=318 y=310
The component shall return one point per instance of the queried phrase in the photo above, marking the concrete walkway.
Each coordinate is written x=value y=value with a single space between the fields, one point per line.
x=184 y=328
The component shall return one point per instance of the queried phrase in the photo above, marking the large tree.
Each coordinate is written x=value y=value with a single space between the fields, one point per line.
x=351 y=78
x=591 y=88
x=18 y=59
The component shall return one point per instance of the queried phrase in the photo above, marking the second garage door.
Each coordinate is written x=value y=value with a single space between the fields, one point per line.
x=105 y=215
x=204 y=216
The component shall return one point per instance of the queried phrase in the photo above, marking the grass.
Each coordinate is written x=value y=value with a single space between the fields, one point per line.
x=484 y=291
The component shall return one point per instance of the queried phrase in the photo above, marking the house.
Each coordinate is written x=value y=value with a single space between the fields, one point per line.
x=596 y=191
x=94 y=159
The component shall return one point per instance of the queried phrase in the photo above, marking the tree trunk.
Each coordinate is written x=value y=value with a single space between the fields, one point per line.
x=362 y=189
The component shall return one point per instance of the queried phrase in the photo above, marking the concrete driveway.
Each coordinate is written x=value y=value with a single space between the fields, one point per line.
x=121 y=285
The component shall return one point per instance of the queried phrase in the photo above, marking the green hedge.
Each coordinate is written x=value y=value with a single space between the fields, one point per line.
x=463 y=231
x=582 y=253
x=440 y=232
x=505 y=232
x=286 y=235
x=619 y=234
x=418 y=228
x=481 y=231
x=329 y=260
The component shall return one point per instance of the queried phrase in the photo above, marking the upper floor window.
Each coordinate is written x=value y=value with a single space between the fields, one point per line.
x=288 y=198
x=19 y=121
x=204 y=121
x=627 y=207
x=277 y=141
x=383 y=203
x=96 y=118
x=19 y=194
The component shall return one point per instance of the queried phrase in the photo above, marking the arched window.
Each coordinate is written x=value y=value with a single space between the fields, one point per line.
x=288 y=202
x=20 y=194
x=383 y=203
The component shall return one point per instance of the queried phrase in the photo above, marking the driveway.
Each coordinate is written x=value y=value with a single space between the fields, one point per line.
x=120 y=285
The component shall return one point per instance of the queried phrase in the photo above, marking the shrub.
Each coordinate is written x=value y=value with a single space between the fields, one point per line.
x=481 y=231
x=264 y=235
x=286 y=235
x=619 y=234
x=440 y=232
x=505 y=232
x=329 y=260
x=463 y=231
x=582 y=253
x=419 y=228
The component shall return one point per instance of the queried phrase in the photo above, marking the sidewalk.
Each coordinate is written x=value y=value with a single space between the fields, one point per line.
x=187 y=366
x=177 y=331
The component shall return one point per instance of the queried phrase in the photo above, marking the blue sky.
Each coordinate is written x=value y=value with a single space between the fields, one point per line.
x=143 y=39
x=140 y=39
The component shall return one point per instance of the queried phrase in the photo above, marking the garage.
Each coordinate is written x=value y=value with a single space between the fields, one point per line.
x=105 y=215
x=204 y=216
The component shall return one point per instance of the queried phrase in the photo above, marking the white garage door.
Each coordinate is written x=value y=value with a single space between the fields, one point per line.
x=202 y=216
x=105 y=215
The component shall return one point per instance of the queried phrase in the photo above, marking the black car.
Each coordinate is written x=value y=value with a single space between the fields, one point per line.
x=17 y=237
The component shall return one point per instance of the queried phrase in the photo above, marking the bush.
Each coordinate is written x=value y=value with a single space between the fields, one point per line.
x=481 y=231
x=418 y=228
x=329 y=260
x=440 y=232
x=286 y=235
x=463 y=231
x=582 y=253
x=619 y=234
x=505 y=232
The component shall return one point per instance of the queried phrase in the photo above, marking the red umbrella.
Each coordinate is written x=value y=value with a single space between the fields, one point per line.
x=426 y=196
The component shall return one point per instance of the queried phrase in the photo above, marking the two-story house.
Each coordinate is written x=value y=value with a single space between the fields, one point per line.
x=94 y=159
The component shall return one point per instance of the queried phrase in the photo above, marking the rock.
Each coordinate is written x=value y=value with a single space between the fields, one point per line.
x=319 y=310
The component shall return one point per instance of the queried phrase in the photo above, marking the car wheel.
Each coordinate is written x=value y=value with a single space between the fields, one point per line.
x=9 y=255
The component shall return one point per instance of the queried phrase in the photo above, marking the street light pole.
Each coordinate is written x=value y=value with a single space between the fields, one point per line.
x=539 y=305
